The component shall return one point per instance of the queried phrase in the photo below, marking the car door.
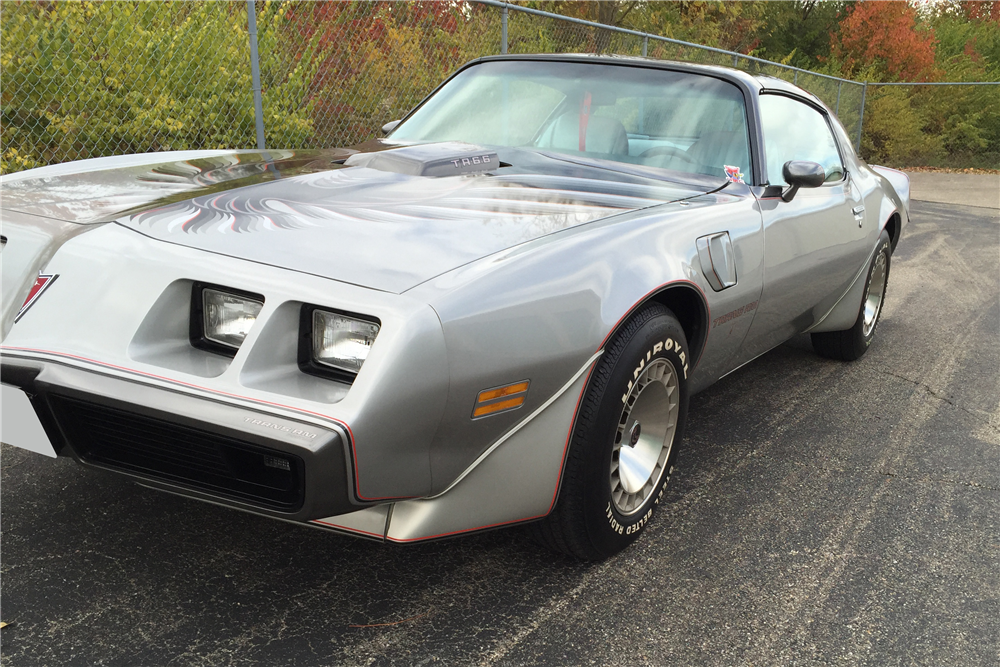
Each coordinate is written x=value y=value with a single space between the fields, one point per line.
x=813 y=244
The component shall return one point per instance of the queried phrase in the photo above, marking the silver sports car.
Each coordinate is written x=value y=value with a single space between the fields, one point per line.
x=493 y=315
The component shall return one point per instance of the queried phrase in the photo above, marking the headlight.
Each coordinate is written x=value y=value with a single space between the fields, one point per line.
x=338 y=343
x=222 y=318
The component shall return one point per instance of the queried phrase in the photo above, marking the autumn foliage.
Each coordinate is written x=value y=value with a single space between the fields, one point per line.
x=981 y=10
x=885 y=33
x=82 y=79
x=378 y=58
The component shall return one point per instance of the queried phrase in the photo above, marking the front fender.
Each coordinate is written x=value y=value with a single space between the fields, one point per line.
x=539 y=311
x=30 y=244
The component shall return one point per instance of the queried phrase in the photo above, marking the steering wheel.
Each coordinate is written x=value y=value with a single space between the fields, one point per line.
x=668 y=150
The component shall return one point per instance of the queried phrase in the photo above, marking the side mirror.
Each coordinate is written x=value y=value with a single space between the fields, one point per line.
x=390 y=126
x=801 y=174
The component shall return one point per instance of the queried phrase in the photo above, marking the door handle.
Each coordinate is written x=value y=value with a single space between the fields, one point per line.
x=718 y=262
x=859 y=214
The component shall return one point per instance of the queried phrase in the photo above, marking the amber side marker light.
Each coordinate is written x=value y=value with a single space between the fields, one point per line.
x=500 y=399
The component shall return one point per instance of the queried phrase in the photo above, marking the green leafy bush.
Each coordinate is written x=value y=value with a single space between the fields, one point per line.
x=100 y=78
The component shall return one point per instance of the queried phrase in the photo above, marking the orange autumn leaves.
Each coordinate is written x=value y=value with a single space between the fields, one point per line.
x=886 y=33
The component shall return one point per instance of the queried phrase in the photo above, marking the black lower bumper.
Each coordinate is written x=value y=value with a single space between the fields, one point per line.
x=190 y=445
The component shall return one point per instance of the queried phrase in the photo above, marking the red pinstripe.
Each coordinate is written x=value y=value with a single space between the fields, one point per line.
x=569 y=434
x=345 y=425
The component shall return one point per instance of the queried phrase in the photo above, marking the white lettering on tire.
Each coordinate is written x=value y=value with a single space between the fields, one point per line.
x=627 y=530
x=665 y=346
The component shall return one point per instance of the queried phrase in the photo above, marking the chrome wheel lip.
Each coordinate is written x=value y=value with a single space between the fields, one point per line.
x=636 y=469
x=875 y=294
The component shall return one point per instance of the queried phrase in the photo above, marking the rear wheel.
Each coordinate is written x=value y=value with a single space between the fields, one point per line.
x=852 y=343
x=624 y=441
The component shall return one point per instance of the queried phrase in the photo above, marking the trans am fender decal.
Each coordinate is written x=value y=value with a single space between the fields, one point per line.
x=732 y=315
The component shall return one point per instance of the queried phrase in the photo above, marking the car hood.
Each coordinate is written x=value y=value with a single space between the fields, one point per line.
x=308 y=212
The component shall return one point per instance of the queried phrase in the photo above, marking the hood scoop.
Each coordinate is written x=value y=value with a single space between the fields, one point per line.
x=449 y=158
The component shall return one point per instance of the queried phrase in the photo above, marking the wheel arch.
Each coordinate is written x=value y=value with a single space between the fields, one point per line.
x=893 y=226
x=687 y=302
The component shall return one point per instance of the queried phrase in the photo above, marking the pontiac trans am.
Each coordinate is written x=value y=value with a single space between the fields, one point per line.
x=494 y=314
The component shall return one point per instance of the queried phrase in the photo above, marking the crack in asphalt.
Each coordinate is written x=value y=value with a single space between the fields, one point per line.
x=542 y=614
x=934 y=393
x=896 y=475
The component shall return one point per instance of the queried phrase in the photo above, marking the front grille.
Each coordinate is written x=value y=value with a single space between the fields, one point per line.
x=192 y=457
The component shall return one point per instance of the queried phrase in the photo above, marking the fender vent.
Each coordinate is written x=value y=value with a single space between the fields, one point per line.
x=191 y=457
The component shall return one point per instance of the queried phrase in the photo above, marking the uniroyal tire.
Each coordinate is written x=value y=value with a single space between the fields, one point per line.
x=604 y=505
x=852 y=343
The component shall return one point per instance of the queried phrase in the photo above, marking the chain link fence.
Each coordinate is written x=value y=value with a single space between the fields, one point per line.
x=364 y=63
x=81 y=80
x=86 y=79
x=948 y=125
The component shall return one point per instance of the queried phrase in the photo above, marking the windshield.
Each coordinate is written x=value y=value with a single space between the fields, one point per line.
x=672 y=120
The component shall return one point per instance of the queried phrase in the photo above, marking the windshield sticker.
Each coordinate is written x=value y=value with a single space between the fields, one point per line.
x=733 y=174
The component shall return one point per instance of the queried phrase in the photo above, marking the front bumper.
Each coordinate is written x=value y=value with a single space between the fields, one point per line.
x=199 y=447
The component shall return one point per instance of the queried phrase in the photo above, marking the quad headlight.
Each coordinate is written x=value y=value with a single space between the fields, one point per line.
x=335 y=344
x=221 y=318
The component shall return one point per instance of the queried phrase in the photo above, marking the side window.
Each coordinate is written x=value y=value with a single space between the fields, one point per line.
x=796 y=131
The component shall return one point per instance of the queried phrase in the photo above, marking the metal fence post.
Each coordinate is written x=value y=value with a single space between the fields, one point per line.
x=795 y=79
x=840 y=86
x=736 y=60
x=645 y=45
x=503 y=29
x=258 y=104
x=861 y=118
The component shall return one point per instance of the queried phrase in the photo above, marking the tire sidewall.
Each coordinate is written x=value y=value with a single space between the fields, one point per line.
x=661 y=337
x=861 y=340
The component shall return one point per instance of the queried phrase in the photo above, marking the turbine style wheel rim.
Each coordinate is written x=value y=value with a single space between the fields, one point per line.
x=876 y=290
x=644 y=437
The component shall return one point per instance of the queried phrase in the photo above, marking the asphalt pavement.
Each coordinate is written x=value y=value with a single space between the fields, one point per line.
x=822 y=513
x=963 y=189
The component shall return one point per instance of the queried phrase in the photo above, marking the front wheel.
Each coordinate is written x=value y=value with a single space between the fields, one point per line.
x=850 y=344
x=625 y=439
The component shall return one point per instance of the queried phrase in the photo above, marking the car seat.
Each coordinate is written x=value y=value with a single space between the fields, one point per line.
x=604 y=135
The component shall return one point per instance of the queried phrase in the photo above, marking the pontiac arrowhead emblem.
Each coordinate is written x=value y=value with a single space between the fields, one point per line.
x=41 y=283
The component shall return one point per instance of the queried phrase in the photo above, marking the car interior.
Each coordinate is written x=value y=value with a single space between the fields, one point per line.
x=685 y=122
x=592 y=125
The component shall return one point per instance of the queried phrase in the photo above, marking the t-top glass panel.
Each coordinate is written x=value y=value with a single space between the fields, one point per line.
x=681 y=121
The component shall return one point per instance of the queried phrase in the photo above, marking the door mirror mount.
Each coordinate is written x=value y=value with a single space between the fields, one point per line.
x=801 y=174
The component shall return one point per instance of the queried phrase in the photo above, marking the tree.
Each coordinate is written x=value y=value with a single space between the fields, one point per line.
x=886 y=35
x=799 y=33
x=981 y=11
x=379 y=58
x=734 y=26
